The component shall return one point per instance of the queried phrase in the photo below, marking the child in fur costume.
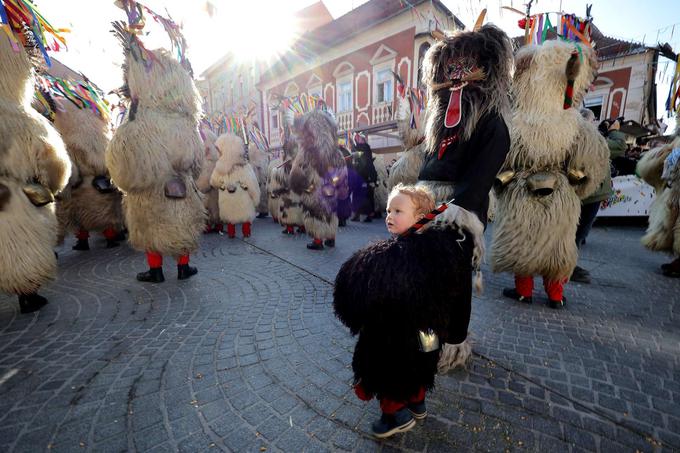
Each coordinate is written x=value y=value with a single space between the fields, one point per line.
x=319 y=176
x=660 y=167
x=34 y=167
x=90 y=202
x=155 y=156
x=211 y=199
x=556 y=159
x=235 y=178
x=403 y=296
x=466 y=138
x=259 y=160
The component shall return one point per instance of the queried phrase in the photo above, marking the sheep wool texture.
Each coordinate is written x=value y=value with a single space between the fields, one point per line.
x=275 y=183
x=82 y=206
x=319 y=173
x=663 y=232
x=539 y=208
x=388 y=291
x=259 y=160
x=211 y=195
x=31 y=150
x=234 y=177
x=290 y=205
x=158 y=145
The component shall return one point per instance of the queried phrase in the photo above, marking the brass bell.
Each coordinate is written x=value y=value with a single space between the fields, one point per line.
x=38 y=194
x=576 y=177
x=503 y=179
x=541 y=184
x=429 y=341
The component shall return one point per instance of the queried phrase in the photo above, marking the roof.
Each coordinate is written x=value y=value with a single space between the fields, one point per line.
x=344 y=27
x=313 y=16
x=606 y=46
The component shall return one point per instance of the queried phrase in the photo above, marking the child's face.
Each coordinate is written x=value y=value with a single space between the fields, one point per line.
x=401 y=214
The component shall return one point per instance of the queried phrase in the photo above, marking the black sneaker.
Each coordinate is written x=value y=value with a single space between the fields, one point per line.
x=315 y=246
x=110 y=243
x=185 y=271
x=28 y=303
x=580 y=275
x=153 y=275
x=329 y=242
x=418 y=410
x=556 y=304
x=82 y=245
x=513 y=294
x=391 y=424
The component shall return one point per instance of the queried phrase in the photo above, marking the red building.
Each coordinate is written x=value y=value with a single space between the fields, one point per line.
x=349 y=63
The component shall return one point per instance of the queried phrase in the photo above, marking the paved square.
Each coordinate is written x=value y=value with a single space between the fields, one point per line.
x=247 y=356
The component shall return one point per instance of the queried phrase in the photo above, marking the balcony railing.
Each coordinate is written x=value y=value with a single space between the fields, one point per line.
x=345 y=120
x=383 y=112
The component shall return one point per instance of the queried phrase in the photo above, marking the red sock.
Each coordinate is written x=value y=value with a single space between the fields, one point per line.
x=82 y=235
x=110 y=233
x=231 y=230
x=154 y=259
x=554 y=288
x=245 y=228
x=290 y=229
x=184 y=259
x=524 y=285
x=418 y=397
x=318 y=241
x=390 y=407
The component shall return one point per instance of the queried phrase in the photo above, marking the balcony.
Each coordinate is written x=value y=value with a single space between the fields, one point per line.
x=345 y=120
x=383 y=112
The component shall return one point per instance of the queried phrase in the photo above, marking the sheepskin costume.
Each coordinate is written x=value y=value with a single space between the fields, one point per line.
x=661 y=170
x=155 y=156
x=235 y=179
x=274 y=186
x=557 y=158
x=259 y=159
x=211 y=195
x=90 y=202
x=423 y=283
x=319 y=176
x=466 y=138
x=290 y=205
x=34 y=166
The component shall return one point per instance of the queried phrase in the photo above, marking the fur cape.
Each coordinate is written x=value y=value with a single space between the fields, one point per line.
x=391 y=289
x=235 y=179
x=82 y=206
x=663 y=232
x=259 y=160
x=535 y=232
x=31 y=150
x=405 y=170
x=210 y=201
x=157 y=143
x=319 y=173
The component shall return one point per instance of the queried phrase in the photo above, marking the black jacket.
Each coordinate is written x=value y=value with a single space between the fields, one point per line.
x=471 y=166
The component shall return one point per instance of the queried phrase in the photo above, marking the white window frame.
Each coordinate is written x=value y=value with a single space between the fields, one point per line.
x=594 y=101
x=388 y=96
x=340 y=82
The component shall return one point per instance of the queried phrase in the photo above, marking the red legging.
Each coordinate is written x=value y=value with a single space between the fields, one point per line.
x=553 y=288
x=155 y=260
x=389 y=406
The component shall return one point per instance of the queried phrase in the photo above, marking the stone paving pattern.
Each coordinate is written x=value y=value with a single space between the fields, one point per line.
x=247 y=356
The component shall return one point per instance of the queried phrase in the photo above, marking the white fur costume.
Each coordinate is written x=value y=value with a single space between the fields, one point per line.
x=203 y=181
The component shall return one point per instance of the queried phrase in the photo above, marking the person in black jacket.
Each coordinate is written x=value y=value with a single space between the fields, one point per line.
x=363 y=195
x=466 y=140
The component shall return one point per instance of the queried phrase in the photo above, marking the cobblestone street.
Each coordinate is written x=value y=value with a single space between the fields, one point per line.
x=248 y=356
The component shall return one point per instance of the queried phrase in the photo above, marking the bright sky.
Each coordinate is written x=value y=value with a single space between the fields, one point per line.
x=262 y=26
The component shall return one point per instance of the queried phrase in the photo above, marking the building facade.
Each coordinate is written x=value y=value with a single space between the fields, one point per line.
x=350 y=62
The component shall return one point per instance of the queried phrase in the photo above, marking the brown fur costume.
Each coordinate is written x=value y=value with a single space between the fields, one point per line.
x=663 y=232
x=536 y=228
x=235 y=179
x=259 y=160
x=274 y=185
x=319 y=172
x=82 y=206
x=290 y=206
x=31 y=151
x=159 y=142
x=210 y=201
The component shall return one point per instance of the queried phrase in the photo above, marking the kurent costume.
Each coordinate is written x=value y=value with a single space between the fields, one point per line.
x=259 y=159
x=660 y=168
x=380 y=192
x=556 y=159
x=412 y=135
x=290 y=206
x=468 y=81
x=89 y=202
x=319 y=176
x=274 y=185
x=155 y=156
x=395 y=294
x=235 y=179
x=211 y=195
x=34 y=167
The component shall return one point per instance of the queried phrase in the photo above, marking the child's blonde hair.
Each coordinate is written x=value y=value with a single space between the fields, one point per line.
x=421 y=197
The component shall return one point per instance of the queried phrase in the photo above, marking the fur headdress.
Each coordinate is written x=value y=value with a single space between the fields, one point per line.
x=481 y=61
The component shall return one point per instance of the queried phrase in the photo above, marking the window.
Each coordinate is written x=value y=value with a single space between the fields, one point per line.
x=345 y=96
x=275 y=119
x=594 y=103
x=383 y=88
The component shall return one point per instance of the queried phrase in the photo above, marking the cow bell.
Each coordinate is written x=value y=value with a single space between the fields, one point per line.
x=541 y=184
x=429 y=341
x=38 y=194
x=576 y=177
x=503 y=179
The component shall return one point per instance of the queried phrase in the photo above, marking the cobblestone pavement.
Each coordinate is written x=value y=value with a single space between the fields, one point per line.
x=249 y=357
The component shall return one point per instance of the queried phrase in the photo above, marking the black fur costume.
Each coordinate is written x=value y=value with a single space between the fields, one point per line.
x=363 y=192
x=391 y=289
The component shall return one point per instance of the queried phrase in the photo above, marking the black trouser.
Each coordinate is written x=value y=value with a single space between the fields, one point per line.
x=585 y=222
